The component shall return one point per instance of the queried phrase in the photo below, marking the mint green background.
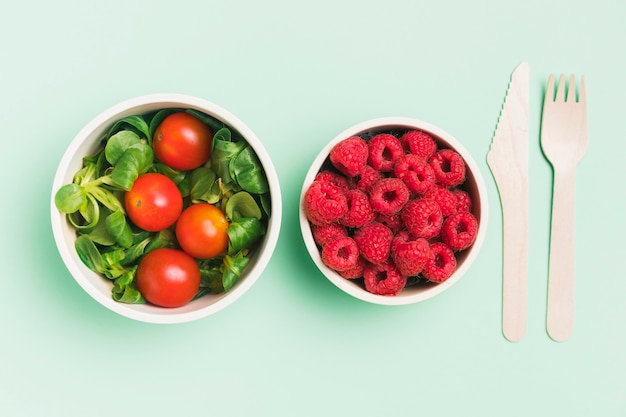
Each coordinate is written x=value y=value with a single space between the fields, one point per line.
x=298 y=74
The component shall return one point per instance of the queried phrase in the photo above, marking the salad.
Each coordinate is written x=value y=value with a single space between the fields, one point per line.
x=170 y=208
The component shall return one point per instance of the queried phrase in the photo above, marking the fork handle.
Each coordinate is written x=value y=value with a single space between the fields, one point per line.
x=560 y=310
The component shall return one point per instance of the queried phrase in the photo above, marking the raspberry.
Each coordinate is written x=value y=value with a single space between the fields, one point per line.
x=383 y=279
x=384 y=149
x=324 y=203
x=449 y=167
x=459 y=230
x=374 y=242
x=392 y=221
x=350 y=156
x=419 y=143
x=389 y=195
x=440 y=264
x=368 y=177
x=359 y=209
x=333 y=178
x=415 y=172
x=356 y=271
x=422 y=217
x=444 y=198
x=409 y=255
x=323 y=234
x=463 y=200
x=340 y=254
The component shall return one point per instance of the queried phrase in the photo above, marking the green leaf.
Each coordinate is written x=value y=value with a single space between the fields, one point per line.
x=86 y=219
x=125 y=289
x=70 y=198
x=135 y=161
x=106 y=198
x=248 y=172
x=89 y=254
x=171 y=173
x=241 y=205
x=90 y=170
x=266 y=203
x=224 y=150
x=211 y=279
x=212 y=122
x=202 y=291
x=136 y=251
x=118 y=144
x=100 y=164
x=99 y=234
x=113 y=260
x=140 y=235
x=243 y=232
x=118 y=227
x=136 y=122
x=202 y=186
x=163 y=239
x=232 y=269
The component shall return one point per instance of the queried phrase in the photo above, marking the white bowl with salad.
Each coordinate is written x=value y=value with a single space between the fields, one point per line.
x=166 y=208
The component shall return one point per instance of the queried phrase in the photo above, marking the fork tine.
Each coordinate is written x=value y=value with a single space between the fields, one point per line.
x=560 y=91
x=582 y=95
x=550 y=89
x=571 y=89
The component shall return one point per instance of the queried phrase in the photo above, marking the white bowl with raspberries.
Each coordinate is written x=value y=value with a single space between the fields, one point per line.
x=393 y=210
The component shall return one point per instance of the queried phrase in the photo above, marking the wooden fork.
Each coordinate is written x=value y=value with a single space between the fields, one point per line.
x=564 y=141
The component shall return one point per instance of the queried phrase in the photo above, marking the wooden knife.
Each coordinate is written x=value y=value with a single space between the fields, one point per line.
x=508 y=160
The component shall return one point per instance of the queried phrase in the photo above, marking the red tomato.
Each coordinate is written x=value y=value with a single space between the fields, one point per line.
x=154 y=202
x=201 y=231
x=168 y=277
x=182 y=141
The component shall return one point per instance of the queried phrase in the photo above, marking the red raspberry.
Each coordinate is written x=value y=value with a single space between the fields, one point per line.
x=444 y=198
x=374 y=242
x=422 y=218
x=324 y=203
x=340 y=254
x=384 y=149
x=463 y=200
x=440 y=264
x=409 y=255
x=459 y=230
x=333 y=178
x=392 y=221
x=389 y=195
x=350 y=156
x=449 y=167
x=359 y=211
x=356 y=271
x=383 y=279
x=415 y=172
x=323 y=234
x=419 y=143
x=368 y=177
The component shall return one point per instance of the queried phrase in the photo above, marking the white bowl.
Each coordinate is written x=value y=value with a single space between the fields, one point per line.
x=474 y=184
x=87 y=142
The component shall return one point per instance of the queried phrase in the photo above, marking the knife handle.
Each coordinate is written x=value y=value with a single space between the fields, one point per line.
x=515 y=266
x=560 y=311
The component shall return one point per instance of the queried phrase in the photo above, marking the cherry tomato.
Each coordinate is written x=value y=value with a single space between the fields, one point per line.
x=154 y=202
x=168 y=277
x=201 y=231
x=182 y=141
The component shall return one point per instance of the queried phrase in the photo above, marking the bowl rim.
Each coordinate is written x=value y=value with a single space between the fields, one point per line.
x=345 y=284
x=160 y=315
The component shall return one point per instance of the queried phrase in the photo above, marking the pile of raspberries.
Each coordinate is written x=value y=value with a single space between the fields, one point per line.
x=390 y=209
